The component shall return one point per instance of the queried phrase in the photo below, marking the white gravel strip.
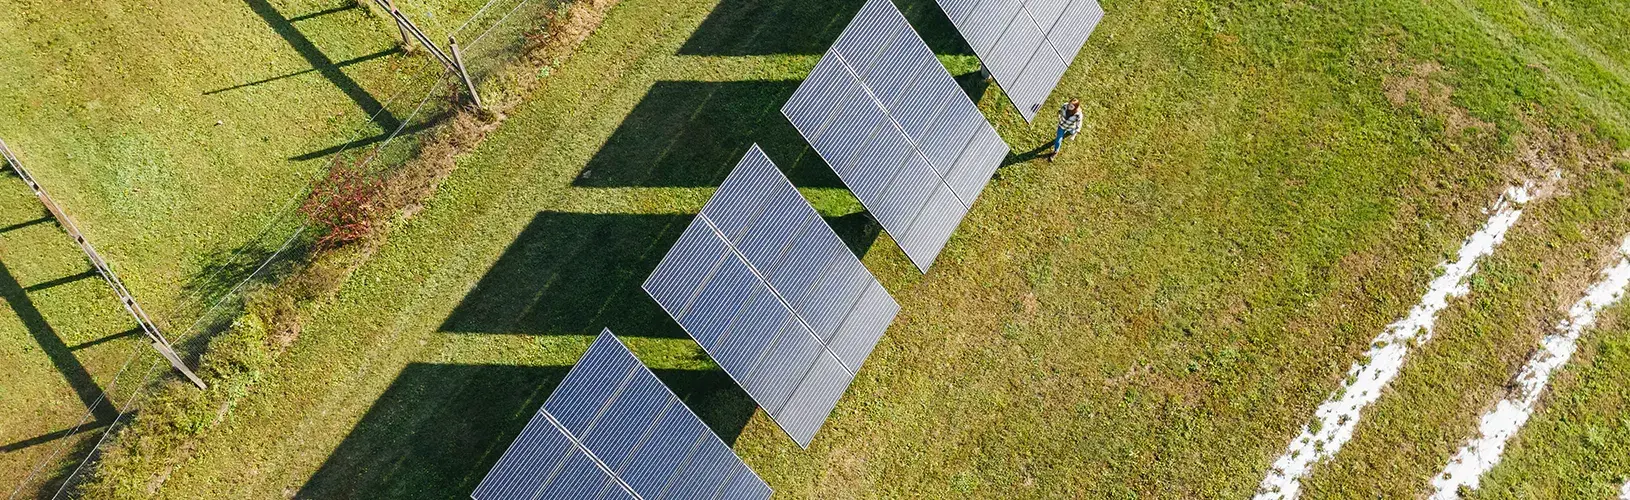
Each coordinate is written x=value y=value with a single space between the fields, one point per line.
x=1498 y=425
x=1334 y=421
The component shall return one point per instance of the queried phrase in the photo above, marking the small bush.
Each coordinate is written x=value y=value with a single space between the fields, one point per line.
x=347 y=205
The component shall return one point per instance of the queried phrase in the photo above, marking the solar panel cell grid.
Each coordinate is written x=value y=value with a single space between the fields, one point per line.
x=738 y=488
x=626 y=420
x=787 y=272
x=734 y=211
x=761 y=322
x=907 y=194
x=917 y=115
x=690 y=262
x=530 y=462
x=783 y=220
x=817 y=394
x=660 y=460
x=1015 y=49
x=849 y=129
x=865 y=38
x=708 y=470
x=633 y=439
x=1046 y=12
x=856 y=338
x=1027 y=46
x=812 y=102
x=903 y=109
x=584 y=391
x=945 y=145
x=901 y=66
x=719 y=300
x=936 y=222
x=578 y=477
x=988 y=22
x=978 y=163
x=614 y=492
x=833 y=299
x=958 y=9
x=874 y=170
x=783 y=367
x=1077 y=23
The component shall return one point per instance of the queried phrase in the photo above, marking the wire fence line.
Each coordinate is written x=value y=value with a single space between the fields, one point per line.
x=507 y=37
x=124 y=410
x=505 y=34
x=148 y=327
x=140 y=387
x=62 y=443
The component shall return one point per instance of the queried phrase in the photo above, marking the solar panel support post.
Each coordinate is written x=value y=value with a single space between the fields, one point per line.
x=150 y=329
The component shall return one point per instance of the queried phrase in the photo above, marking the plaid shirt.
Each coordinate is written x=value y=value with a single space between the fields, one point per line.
x=1070 y=122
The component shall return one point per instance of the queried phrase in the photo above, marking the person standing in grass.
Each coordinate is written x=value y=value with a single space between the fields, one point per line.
x=1069 y=124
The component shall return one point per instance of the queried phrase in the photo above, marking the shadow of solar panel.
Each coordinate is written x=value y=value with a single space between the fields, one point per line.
x=1026 y=44
x=612 y=430
x=774 y=296
x=896 y=127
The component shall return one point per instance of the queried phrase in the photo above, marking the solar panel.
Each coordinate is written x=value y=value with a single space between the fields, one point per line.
x=899 y=131
x=1026 y=44
x=774 y=296
x=612 y=430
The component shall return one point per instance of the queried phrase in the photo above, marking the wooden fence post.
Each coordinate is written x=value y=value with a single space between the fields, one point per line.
x=400 y=29
x=458 y=60
x=148 y=327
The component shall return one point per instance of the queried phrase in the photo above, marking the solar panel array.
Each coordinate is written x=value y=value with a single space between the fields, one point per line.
x=613 y=431
x=773 y=295
x=899 y=131
x=1026 y=44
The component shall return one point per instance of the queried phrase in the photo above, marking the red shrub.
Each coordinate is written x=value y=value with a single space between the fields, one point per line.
x=347 y=205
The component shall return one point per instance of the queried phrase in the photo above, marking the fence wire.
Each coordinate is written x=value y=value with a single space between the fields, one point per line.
x=501 y=32
x=495 y=35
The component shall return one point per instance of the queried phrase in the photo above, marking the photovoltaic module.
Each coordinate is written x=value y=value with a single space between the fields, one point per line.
x=612 y=430
x=898 y=130
x=1026 y=44
x=774 y=296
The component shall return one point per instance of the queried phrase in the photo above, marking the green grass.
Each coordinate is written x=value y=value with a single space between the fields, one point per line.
x=1579 y=446
x=1156 y=313
x=173 y=133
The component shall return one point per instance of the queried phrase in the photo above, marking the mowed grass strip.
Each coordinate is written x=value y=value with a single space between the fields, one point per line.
x=62 y=337
x=173 y=133
x=115 y=107
x=1482 y=340
x=1155 y=313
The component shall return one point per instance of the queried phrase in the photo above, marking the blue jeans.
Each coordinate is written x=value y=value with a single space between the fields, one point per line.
x=1058 y=142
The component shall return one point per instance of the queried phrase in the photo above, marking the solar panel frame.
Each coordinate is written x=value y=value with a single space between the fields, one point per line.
x=1002 y=33
x=900 y=108
x=613 y=430
x=780 y=323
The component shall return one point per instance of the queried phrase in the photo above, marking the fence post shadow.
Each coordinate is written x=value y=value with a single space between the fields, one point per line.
x=101 y=410
x=319 y=61
x=224 y=282
x=61 y=355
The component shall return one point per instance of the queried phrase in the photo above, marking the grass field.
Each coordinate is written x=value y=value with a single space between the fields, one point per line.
x=1259 y=190
x=174 y=143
